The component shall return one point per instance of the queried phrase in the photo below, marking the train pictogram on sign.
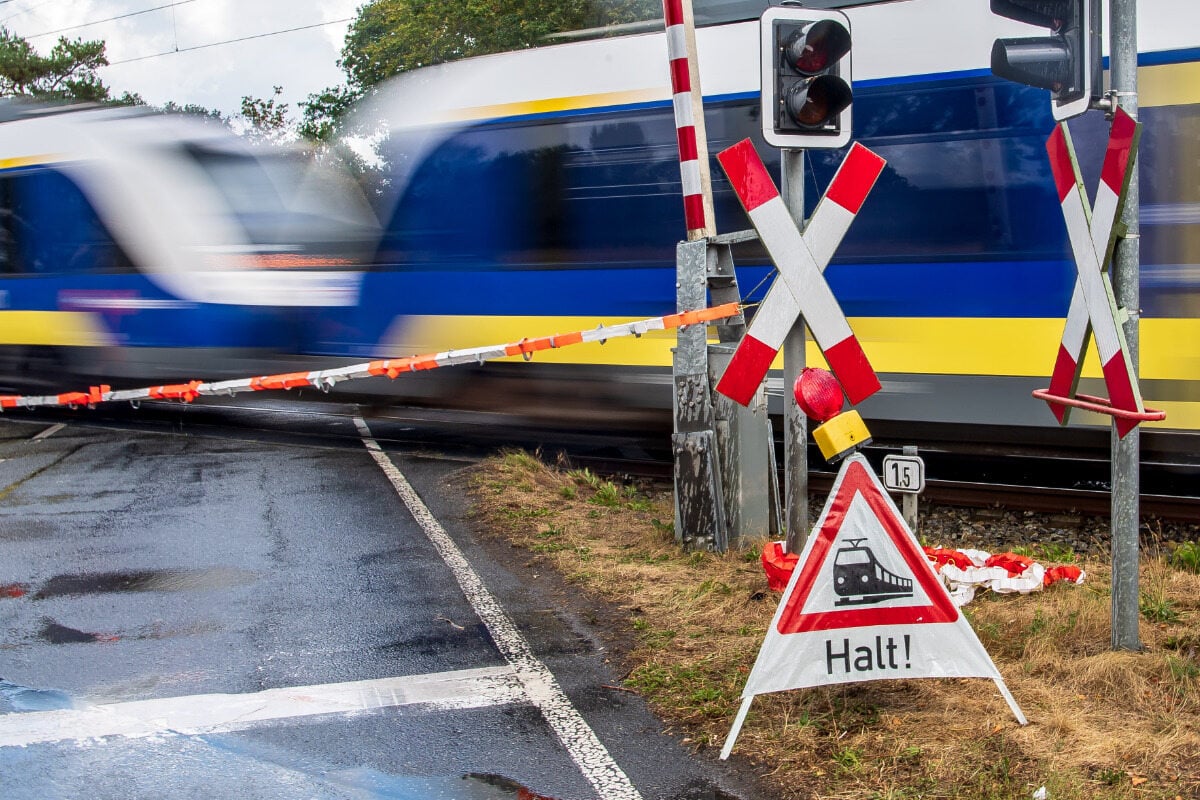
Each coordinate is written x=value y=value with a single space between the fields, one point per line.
x=859 y=578
x=801 y=258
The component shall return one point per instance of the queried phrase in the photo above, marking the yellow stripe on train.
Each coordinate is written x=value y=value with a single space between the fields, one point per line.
x=1170 y=348
x=53 y=329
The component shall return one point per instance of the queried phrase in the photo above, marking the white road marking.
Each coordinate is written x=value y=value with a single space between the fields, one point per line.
x=541 y=688
x=218 y=713
x=46 y=434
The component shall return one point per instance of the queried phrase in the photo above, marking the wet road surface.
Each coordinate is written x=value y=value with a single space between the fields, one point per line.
x=206 y=617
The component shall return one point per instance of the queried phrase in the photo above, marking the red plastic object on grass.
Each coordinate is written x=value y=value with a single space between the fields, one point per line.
x=778 y=565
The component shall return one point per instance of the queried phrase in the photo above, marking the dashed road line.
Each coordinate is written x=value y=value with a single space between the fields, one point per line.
x=46 y=434
x=540 y=686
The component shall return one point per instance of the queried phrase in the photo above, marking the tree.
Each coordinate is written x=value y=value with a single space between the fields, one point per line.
x=322 y=113
x=393 y=36
x=266 y=121
x=194 y=110
x=67 y=73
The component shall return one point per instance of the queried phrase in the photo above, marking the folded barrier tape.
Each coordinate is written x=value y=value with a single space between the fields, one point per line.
x=963 y=571
x=391 y=368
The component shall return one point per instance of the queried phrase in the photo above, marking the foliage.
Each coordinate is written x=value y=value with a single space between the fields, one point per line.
x=322 y=113
x=191 y=109
x=1187 y=557
x=393 y=36
x=67 y=73
x=266 y=120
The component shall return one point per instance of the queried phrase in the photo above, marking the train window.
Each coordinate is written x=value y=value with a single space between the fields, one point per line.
x=852 y=557
x=49 y=226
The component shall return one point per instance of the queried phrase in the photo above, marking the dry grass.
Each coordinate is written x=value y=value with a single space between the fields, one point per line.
x=1103 y=724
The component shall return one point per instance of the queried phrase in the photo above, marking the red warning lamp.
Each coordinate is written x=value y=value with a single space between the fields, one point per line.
x=818 y=394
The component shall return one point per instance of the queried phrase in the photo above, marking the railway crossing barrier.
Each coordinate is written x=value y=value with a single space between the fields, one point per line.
x=391 y=368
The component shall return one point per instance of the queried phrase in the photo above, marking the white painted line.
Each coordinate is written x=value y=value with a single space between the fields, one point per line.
x=46 y=434
x=541 y=688
x=219 y=713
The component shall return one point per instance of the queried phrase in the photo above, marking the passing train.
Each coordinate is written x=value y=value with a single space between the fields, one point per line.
x=538 y=192
x=138 y=246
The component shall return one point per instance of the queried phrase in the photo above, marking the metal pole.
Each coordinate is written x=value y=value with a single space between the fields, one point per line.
x=795 y=424
x=1126 y=453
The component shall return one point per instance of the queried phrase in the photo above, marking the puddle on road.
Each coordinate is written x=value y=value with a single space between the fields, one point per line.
x=23 y=698
x=54 y=633
x=163 y=580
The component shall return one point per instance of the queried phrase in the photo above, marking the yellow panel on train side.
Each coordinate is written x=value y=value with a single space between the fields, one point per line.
x=1170 y=348
x=53 y=329
x=1169 y=85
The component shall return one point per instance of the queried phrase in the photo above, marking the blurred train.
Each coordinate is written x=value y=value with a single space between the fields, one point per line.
x=136 y=246
x=537 y=192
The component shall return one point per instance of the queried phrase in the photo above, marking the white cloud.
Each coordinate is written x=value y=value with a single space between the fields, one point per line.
x=302 y=62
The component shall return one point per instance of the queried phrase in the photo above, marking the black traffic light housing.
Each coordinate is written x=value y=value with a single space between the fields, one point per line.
x=806 y=77
x=1067 y=62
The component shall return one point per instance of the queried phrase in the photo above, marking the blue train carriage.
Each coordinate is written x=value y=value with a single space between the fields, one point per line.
x=142 y=247
x=538 y=192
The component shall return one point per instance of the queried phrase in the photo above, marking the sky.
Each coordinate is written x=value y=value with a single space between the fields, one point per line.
x=172 y=52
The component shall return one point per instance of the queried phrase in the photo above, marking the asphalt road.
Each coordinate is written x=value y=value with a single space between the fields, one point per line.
x=205 y=616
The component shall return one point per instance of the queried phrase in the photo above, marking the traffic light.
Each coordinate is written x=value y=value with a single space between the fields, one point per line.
x=1067 y=62
x=806 y=90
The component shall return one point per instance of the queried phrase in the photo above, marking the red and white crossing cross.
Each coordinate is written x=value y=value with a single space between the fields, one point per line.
x=1093 y=235
x=800 y=259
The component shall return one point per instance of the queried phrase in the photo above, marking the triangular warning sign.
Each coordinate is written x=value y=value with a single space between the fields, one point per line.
x=864 y=604
x=862 y=567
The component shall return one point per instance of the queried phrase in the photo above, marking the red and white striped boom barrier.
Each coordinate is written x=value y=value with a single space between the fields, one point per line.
x=1093 y=308
x=801 y=260
x=391 y=368
x=688 y=101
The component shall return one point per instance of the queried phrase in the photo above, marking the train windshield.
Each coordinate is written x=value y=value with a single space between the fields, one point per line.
x=293 y=213
x=852 y=557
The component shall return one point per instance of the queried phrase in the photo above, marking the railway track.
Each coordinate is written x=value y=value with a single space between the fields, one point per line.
x=1044 y=479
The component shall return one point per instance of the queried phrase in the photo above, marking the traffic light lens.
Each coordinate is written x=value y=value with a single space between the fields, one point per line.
x=814 y=102
x=817 y=47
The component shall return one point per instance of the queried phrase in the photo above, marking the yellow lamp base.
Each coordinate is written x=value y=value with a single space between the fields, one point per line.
x=841 y=436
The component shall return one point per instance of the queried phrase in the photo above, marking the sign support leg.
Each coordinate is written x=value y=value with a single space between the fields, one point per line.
x=737 y=727
x=1126 y=452
x=1012 y=702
